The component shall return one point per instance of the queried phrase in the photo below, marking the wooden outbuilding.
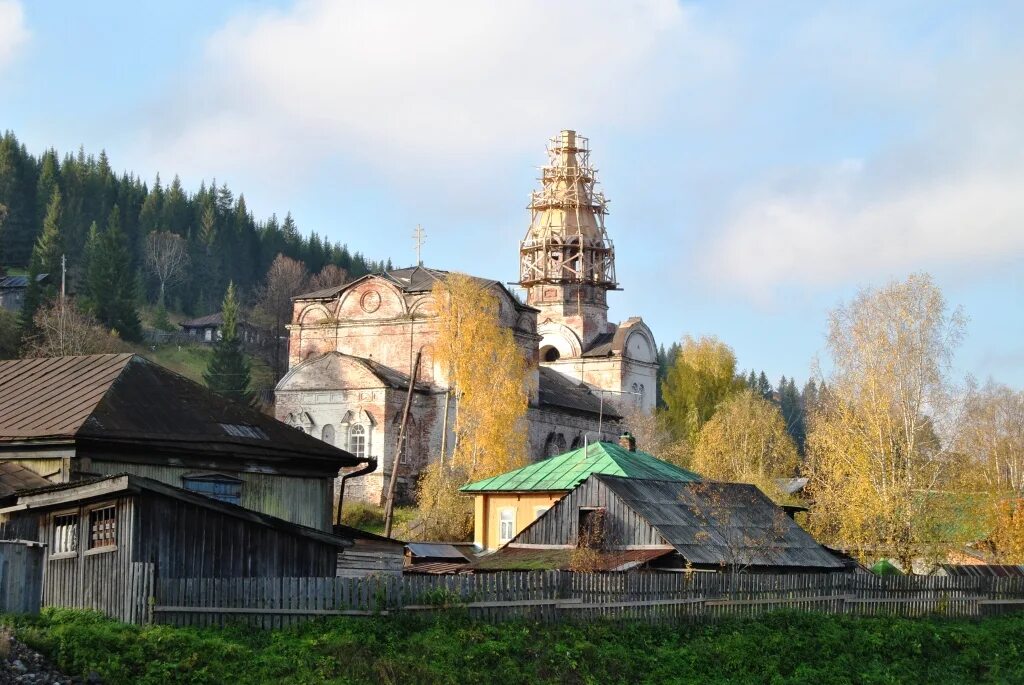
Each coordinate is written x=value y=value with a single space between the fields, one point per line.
x=612 y=523
x=109 y=539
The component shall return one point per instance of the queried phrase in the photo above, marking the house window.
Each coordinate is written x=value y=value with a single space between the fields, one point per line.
x=65 y=533
x=216 y=486
x=539 y=511
x=328 y=434
x=102 y=527
x=357 y=441
x=507 y=524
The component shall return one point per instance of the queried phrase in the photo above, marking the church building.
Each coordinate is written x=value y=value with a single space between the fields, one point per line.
x=352 y=348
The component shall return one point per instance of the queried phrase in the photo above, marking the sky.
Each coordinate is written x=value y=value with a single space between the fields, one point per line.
x=763 y=162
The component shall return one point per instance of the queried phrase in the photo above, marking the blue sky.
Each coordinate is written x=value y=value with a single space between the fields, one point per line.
x=762 y=166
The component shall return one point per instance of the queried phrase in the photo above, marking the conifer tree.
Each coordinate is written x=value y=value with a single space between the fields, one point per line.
x=45 y=259
x=228 y=372
x=110 y=280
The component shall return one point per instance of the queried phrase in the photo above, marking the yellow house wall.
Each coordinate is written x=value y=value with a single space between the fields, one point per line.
x=487 y=513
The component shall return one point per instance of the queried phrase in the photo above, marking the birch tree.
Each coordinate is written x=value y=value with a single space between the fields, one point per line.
x=746 y=441
x=879 y=451
x=167 y=259
x=702 y=377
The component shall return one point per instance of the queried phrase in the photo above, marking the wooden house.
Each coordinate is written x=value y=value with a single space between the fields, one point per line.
x=13 y=288
x=612 y=523
x=109 y=539
x=505 y=504
x=73 y=418
x=209 y=329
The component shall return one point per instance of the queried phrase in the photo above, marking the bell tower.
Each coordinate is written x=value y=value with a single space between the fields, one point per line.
x=566 y=261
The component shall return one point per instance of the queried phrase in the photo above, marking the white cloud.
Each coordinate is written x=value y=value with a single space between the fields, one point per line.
x=410 y=87
x=943 y=194
x=13 y=32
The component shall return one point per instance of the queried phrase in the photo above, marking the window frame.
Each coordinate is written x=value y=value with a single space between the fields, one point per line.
x=91 y=548
x=66 y=554
x=363 y=436
x=539 y=510
x=216 y=478
x=501 y=524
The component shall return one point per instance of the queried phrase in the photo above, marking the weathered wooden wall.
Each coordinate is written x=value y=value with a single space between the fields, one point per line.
x=560 y=525
x=306 y=501
x=106 y=579
x=21 y=577
x=186 y=540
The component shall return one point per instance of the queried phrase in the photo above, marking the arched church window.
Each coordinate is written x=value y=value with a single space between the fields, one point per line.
x=636 y=388
x=328 y=434
x=641 y=389
x=549 y=445
x=357 y=441
x=559 y=443
x=577 y=442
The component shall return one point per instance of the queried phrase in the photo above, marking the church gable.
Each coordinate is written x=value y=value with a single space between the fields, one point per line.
x=372 y=297
x=331 y=371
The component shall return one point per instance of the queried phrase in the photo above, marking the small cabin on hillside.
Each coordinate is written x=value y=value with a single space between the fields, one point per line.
x=69 y=419
x=507 y=503
x=109 y=539
x=12 y=290
x=209 y=329
x=612 y=523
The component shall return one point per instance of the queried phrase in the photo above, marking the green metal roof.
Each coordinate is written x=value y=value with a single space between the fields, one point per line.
x=566 y=471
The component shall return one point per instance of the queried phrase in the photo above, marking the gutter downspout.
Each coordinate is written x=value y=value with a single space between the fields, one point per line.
x=370 y=467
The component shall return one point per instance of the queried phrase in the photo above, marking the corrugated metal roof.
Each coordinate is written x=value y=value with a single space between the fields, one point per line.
x=126 y=398
x=566 y=471
x=15 y=282
x=15 y=477
x=712 y=523
x=437 y=550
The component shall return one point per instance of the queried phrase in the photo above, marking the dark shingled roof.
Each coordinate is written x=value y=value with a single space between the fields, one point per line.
x=215 y=319
x=558 y=390
x=14 y=477
x=719 y=524
x=124 y=398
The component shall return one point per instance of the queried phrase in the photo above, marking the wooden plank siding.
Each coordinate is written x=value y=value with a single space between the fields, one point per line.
x=560 y=524
x=21 y=577
x=306 y=501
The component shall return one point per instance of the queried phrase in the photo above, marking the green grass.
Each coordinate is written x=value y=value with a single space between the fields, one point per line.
x=779 y=648
x=371 y=519
x=191 y=361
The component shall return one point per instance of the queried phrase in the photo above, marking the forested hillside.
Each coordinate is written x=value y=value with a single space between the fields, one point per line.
x=80 y=195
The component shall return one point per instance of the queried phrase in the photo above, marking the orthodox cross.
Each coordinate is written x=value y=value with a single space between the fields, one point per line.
x=420 y=236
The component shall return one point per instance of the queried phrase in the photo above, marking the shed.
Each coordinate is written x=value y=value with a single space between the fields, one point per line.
x=370 y=554
x=505 y=504
x=618 y=523
x=208 y=329
x=74 y=418
x=108 y=539
x=434 y=558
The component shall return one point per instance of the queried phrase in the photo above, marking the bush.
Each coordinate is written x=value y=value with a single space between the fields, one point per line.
x=779 y=648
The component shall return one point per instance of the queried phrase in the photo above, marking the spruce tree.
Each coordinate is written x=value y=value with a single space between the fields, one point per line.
x=110 y=280
x=46 y=254
x=228 y=371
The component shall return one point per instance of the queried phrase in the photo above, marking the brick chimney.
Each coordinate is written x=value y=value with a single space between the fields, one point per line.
x=627 y=441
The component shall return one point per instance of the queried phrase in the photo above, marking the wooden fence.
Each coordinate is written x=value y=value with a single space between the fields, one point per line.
x=551 y=596
x=21 y=576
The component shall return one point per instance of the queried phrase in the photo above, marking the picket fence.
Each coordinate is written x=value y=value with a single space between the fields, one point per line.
x=552 y=596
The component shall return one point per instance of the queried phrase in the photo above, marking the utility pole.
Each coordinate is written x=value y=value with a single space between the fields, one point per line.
x=389 y=506
x=420 y=236
x=63 y=276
